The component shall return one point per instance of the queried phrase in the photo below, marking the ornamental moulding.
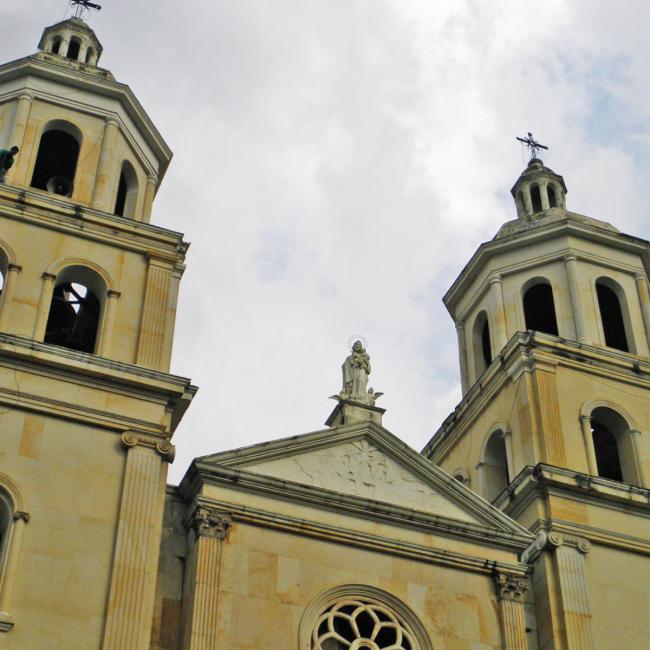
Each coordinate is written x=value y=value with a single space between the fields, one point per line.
x=209 y=523
x=510 y=587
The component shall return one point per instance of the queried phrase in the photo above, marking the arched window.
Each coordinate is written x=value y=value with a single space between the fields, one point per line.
x=536 y=198
x=89 y=55
x=613 y=446
x=611 y=316
x=56 y=161
x=552 y=199
x=482 y=343
x=539 y=308
x=56 y=45
x=360 y=617
x=495 y=466
x=73 y=320
x=73 y=49
x=127 y=191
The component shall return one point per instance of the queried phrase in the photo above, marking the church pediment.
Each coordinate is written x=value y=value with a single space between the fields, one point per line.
x=364 y=461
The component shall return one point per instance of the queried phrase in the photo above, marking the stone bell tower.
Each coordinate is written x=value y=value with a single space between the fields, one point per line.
x=88 y=407
x=553 y=322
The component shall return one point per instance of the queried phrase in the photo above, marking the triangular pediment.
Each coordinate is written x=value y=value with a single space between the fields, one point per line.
x=367 y=462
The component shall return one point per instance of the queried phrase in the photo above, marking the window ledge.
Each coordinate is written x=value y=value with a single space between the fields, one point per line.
x=6 y=622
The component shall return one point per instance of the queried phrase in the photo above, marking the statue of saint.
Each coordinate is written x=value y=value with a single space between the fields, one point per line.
x=356 y=369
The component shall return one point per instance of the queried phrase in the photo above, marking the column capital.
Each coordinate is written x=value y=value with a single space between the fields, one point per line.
x=163 y=447
x=111 y=121
x=585 y=419
x=551 y=540
x=19 y=515
x=460 y=326
x=48 y=276
x=495 y=279
x=16 y=268
x=510 y=586
x=210 y=523
x=111 y=293
x=570 y=257
x=640 y=277
x=26 y=96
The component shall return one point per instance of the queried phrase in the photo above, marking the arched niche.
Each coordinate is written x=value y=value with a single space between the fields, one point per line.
x=56 y=45
x=536 y=198
x=614 y=315
x=76 y=307
x=614 y=446
x=496 y=474
x=539 y=306
x=57 y=157
x=481 y=343
x=126 y=199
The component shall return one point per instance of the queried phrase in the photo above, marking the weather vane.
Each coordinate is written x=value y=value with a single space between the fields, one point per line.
x=532 y=144
x=82 y=5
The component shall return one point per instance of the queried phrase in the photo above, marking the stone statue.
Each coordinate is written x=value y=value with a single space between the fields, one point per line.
x=356 y=369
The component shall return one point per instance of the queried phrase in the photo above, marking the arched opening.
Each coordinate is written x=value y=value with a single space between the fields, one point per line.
x=611 y=317
x=73 y=320
x=73 y=49
x=6 y=512
x=539 y=309
x=127 y=191
x=482 y=344
x=495 y=466
x=56 y=45
x=536 y=198
x=613 y=446
x=56 y=161
x=89 y=55
x=552 y=198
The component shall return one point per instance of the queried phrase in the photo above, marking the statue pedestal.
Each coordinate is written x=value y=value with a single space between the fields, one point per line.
x=349 y=411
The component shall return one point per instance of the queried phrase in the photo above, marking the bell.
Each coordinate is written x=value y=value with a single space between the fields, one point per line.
x=61 y=185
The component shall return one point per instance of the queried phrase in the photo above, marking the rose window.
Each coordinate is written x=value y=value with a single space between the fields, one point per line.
x=357 y=624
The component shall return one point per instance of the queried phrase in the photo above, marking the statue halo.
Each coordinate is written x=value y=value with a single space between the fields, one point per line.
x=358 y=337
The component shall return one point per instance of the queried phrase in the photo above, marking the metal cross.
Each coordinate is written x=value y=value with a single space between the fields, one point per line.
x=81 y=5
x=532 y=144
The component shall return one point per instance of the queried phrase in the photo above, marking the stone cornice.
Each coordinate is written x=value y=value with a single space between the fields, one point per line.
x=61 y=215
x=20 y=354
x=526 y=352
x=358 y=539
x=572 y=224
x=201 y=472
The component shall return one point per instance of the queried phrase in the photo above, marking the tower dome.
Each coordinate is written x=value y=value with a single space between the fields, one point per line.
x=72 y=39
x=538 y=189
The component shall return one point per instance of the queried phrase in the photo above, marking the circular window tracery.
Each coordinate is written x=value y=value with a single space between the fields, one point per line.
x=360 y=624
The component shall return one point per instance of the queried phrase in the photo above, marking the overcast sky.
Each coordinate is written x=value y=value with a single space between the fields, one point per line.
x=336 y=164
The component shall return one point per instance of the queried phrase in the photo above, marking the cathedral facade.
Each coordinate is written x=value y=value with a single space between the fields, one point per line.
x=524 y=524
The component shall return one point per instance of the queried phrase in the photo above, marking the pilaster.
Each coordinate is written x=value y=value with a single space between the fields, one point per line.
x=208 y=529
x=101 y=193
x=21 y=119
x=8 y=294
x=135 y=561
x=573 y=278
x=500 y=333
x=511 y=590
x=644 y=299
x=462 y=356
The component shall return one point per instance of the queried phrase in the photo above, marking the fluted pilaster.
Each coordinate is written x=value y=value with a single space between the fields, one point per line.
x=511 y=590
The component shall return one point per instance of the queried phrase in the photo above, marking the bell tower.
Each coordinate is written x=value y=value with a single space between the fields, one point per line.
x=553 y=323
x=88 y=406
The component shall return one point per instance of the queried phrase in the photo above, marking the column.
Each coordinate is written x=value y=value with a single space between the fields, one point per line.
x=462 y=356
x=510 y=456
x=644 y=299
x=154 y=312
x=638 y=454
x=511 y=590
x=135 y=560
x=571 y=264
x=105 y=168
x=527 y=200
x=108 y=323
x=571 y=570
x=17 y=138
x=8 y=294
x=543 y=190
x=585 y=423
x=11 y=569
x=43 y=306
x=201 y=598
x=480 y=470
x=149 y=193
x=500 y=334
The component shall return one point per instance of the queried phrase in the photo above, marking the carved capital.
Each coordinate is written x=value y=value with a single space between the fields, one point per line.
x=16 y=268
x=510 y=587
x=22 y=516
x=210 y=523
x=571 y=257
x=495 y=279
x=551 y=540
x=163 y=447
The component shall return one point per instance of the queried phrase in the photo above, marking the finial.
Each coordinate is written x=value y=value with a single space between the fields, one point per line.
x=532 y=144
x=356 y=369
x=83 y=5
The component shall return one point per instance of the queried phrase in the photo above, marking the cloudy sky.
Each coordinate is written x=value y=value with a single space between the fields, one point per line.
x=336 y=164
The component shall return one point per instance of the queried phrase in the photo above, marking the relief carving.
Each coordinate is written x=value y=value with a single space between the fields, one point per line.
x=212 y=524
x=510 y=587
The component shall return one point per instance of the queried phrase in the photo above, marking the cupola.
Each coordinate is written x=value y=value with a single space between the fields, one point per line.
x=538 y=189
x=72 y=39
